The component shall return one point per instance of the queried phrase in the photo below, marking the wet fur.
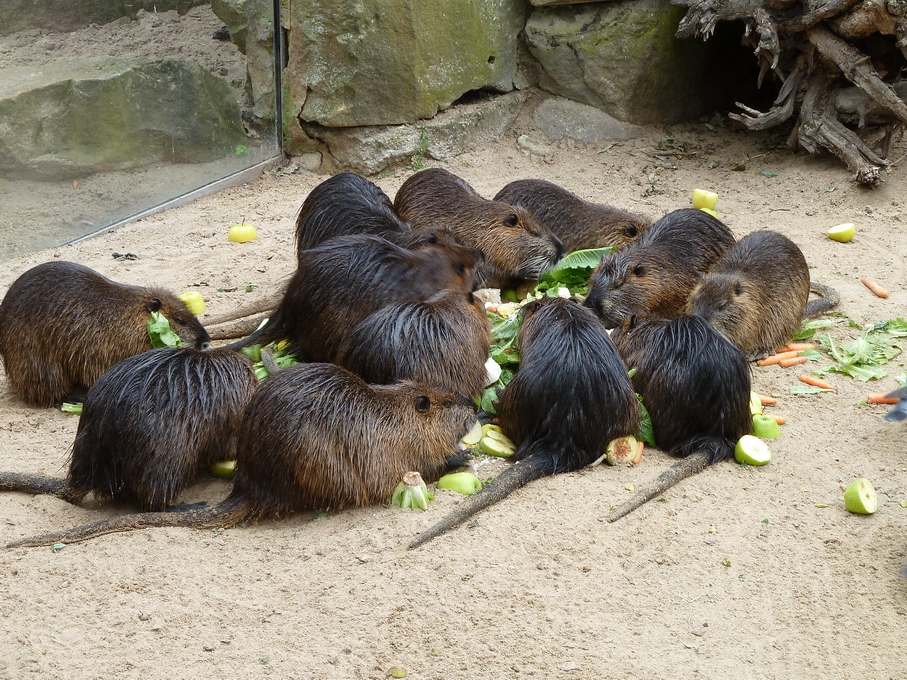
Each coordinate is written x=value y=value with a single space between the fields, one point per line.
x=578 y=223
x=696 y=387
x=515 y=245
x=570 y=397
x=757 y=294
x=442 y=341
x=654 y=275
x=316 y=437
x=62 y=325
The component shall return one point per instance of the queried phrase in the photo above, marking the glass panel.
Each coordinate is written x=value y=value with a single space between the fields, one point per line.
x=80 y=153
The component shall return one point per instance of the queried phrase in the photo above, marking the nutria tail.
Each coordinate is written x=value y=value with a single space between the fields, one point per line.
x=36 y=484
x=511 y=479
x=225 y=514
x=691 y=465
x=829 y=300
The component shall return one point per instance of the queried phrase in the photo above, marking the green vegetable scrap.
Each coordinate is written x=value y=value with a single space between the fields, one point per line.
x=412 y=492
x=505 y=352
x=280 y=354
x=864 y=357
x=67 y=407
x=572 y=272
x=159 y=332
x=808 y=328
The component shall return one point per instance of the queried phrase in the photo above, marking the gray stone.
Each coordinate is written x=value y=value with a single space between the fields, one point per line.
x=621 y=57
x=564 y=118
x=388 y=62
x=370 y=149
x=533 y=146
x=72 y=118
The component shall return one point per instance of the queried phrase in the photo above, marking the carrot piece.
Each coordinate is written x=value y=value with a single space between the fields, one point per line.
x=793 y=361
x=776 y=358
x=767 y=401
x=780 y=419
x=797 y=347
x=816 y=382
x=641 y=444
x=880 y=398
x=874 y=287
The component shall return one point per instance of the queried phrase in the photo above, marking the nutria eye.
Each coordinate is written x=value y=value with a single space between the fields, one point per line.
x=631 y=231
x=511 y=220
x=738 y=288
x=639 y=270
x=423 y=404
x=470 y=298
x=154 y=305
x=431 y=238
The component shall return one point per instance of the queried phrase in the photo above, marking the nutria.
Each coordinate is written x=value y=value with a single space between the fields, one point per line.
x=317 y=437
x=578 y=223
x=757 y=294
x=897 y=412
x=655 y=274
x=570 y=397
x=63 y=324
x=443 y=341
x=342 y=281
x=346 y=203
x=148 y=424
x=515 y=245
x=695 y=385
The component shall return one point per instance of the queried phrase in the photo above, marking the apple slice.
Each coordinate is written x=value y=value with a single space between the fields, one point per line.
x=472 y=437
x=766 y=427
x=752 y=451
x=703 y=198
x=462 y=482
x=623 y=451
x=194 y=301
x=860 y=497
x=496 y=443
x=843 y=232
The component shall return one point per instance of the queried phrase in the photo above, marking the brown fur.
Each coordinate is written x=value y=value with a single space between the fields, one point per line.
x=515 y=245
x=316 y=437
x=757 y=294
x=442 y=341
x=62 y=325
x=578 y=223
x=654 y=275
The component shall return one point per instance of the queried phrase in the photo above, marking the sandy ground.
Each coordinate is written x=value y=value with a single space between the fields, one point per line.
x=738 y=572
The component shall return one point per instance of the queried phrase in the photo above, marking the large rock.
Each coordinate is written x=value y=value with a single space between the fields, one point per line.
x=72 y=118
x=623 y=58
x=387 y=62
x=69 y=15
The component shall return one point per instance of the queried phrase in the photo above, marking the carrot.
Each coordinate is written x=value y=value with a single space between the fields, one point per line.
x=797 y=347
x=793 y=361
x=874 y=287
x=816 y=382
x=880 y=398
x=776 y=358
x=638 y=455
x=780 y=419
x=767 y=401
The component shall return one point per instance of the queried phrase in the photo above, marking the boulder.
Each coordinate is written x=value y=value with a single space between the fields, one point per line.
x=73 y=118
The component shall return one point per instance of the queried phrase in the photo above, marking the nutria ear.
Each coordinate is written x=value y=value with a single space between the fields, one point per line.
x=154 y=305
x=470 y=298
x=631 y=324
x=631 y=231
x=738 y=287
x=639 y=270
x=423 y=404
x=511 y=220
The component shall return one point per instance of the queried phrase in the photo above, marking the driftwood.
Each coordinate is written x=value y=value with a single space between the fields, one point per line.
x=844 y=100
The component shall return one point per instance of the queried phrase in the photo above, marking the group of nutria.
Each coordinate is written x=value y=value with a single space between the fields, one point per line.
x=393 y=345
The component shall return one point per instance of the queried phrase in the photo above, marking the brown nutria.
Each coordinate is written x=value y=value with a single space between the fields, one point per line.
x=654 y=275
x=578 y=223
x=569 y=398
x=147 y=425
x=515 y=245
x=757 y=294
x=317 y=437
x=443 y=341
x=696 y=387
x=347 y=278
x=63 y=324
x=346 y=203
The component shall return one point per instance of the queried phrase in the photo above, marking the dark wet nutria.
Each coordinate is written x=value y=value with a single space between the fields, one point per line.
x=63 y=324
x=654 y=275
x=148 y=424
x=757 y=294
x=346 y=203
x=515 y=245
x=317 y=437
x=443 y=341
x=570 y=397
x=344 y=280
x=578 y=223
x=696 y=387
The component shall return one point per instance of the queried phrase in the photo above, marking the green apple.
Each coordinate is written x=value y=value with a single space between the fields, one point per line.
x=472 y=437
x=710 y=212
x=462 y=482
x=496 y=443
x=223 y=468
x=843 y=232
x=755 y=404
x=766 y=427
x=194 y=301
x=622 y=451
x=240 y=233
x=752 y=451
x=861 y=498
x=704 y=199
